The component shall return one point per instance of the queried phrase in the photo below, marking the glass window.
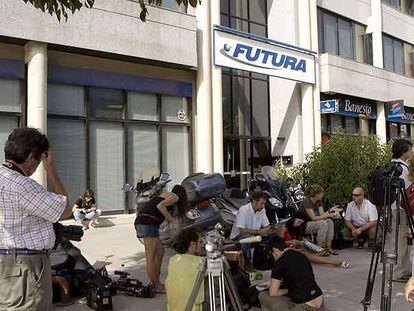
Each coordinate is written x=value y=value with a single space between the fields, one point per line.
x=7 y=124
x=324 y=123
x=69 y=144
x=258 y=29
x=175 y=109
x=224 y=6
x=351 y=125
x=226 y=99
x=142 y=106
x=10 y=95
x=143 y=155
x=260 y=123
x=388 y=53
x=241 y=105
x=239 y=8
x=345 y=38
x=405 y=131
x=175 y=153
x=107 y=164
x=65 y=99
x=258 y=12
x=106 y=103
x=173 y=5
x=393 y=130
x=398 y=57
x=330 y=34
x=336 y=122
x=239 y=24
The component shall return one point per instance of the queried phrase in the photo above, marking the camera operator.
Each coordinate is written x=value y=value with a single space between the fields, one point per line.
x=183 y=270
x=251 y=220
x=401 y=152
x=27 y=214
x=300 y=290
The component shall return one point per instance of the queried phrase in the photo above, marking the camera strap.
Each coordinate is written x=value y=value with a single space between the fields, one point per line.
x=13 y=167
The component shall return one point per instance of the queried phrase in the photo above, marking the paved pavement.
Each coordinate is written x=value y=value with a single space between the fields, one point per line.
x=114 y=244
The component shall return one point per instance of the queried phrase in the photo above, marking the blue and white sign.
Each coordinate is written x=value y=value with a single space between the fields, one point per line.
x=257 y=54
x=345 y=107
x=329 y=106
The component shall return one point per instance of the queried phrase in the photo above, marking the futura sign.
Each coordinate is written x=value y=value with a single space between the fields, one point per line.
x=249 y=52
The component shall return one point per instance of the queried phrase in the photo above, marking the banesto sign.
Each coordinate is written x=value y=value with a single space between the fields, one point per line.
x=357 y=108
x=237 y=50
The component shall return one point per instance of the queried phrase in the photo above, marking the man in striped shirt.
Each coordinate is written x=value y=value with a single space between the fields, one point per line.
x=27 y=214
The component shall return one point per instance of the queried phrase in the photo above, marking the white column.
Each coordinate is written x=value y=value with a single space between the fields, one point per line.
x=307 y=91
x=217 y=96
x=381 y=122
x=375 y=27
x=203 y=121
x=363 y=127
x=313 y=11
x=36 y=60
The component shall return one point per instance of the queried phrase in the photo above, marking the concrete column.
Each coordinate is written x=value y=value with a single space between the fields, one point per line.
x=313 y=11
x=203 y=121
x=412 y=131
x=381 y=122
x=363 y=127
x=375 y=27
x=36 y=60
x=217 y=97
x=307 y=90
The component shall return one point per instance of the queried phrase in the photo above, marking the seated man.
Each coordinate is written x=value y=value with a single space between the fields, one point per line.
x=294 y=271
x=360 y=219
x=183 y=270
x=251 y=220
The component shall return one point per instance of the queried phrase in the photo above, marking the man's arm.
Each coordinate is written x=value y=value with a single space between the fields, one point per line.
x=54 y=182
x=274 y=288
x=368 y=225
x=349 y=224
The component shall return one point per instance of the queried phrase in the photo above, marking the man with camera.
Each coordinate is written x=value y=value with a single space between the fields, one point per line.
x=27 y=214
x=251 y=220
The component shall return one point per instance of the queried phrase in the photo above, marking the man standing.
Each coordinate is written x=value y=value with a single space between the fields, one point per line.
x=360 y=219
x=401 y=152
x=27 y=214
x=251 y=220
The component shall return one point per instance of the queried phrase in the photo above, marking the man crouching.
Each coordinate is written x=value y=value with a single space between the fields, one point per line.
x=294 y=271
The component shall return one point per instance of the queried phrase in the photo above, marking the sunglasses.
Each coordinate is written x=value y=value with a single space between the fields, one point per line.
x=356 y=194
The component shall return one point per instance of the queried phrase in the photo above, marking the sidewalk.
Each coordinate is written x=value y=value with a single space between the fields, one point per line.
x=114 y=244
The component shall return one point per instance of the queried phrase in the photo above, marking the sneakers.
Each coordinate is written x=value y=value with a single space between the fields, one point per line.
x=345 y=265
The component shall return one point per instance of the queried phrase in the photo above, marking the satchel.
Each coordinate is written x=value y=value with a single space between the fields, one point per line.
x=410 y=195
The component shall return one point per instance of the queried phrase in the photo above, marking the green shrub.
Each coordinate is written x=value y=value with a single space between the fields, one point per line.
x=339 y=165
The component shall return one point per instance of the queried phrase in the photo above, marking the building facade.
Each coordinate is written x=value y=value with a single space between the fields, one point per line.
x=123 y=100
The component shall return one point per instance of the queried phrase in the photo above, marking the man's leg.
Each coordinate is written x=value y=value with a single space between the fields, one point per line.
x=347 y=234
x=278 y=303
x=403 y=267
x=246 y=248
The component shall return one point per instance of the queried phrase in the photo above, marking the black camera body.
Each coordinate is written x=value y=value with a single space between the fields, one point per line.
x=71 y=232
x=133 y=287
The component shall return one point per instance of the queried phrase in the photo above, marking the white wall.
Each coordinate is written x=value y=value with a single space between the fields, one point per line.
x=285 y=98
x=357 y=10
x=397 y=24
x=344 y=76
x=112 y=26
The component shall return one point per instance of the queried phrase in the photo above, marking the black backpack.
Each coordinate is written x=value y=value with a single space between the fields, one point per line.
x=377 y=183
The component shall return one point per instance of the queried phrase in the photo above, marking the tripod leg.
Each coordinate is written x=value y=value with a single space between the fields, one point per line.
x=231 y=287
x=197 y=285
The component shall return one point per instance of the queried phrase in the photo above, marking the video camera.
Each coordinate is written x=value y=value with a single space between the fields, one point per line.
x=100 y=290
x=71 y=232
x=133 y=287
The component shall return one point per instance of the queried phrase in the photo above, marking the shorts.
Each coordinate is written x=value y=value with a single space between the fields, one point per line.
x=147 y=231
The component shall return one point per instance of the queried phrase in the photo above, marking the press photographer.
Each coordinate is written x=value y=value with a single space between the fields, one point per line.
x=27 y=214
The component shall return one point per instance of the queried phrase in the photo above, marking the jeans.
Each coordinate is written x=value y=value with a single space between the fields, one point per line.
x=246 y=248
x=79 y=216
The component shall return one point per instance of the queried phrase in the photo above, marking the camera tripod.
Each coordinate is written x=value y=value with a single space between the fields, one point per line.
x=217 y=269
x=389 y=221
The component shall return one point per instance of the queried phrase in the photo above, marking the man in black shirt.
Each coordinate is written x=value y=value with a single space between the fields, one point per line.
x=294 y=271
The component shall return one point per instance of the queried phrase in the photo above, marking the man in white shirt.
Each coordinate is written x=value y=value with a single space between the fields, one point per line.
x=360 y=218
x=251 y=220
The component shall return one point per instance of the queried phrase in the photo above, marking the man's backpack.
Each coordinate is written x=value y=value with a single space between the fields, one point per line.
x=377 y=184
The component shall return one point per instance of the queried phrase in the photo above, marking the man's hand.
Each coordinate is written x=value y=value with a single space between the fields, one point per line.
x=409 y=288
x=264 y=231
x=358 y=232
x=48 y=159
